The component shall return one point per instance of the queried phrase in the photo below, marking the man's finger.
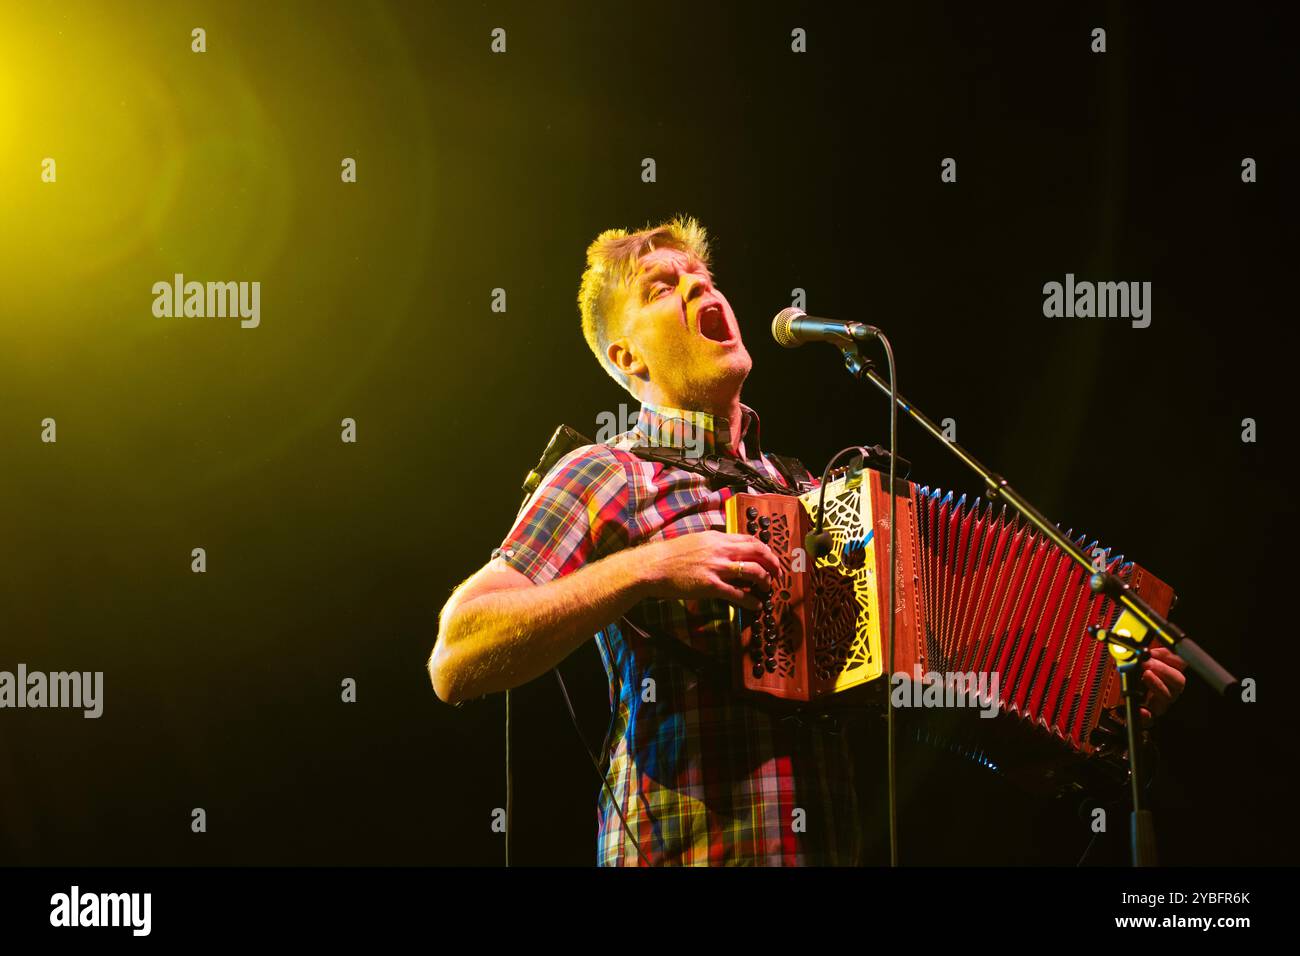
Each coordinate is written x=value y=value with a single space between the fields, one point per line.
x=737 y=596
x=1169 y=656
x=1153 y=681
x=750 y=573
x=756 y=550
x=1158 y=696
x=1173 y=678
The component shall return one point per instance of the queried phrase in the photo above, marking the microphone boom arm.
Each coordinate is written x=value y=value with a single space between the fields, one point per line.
x=997 y=486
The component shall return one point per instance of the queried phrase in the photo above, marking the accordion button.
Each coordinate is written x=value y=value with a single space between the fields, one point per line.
x=765 y=522
x=765 y=536
x=751 y=528
x=751 y=512
x=757 y=670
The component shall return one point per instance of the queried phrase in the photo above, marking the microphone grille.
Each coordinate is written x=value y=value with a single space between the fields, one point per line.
x=781 y=327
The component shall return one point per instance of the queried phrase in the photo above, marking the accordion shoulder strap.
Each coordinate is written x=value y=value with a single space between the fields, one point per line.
x=724 y=472
x=793 y=471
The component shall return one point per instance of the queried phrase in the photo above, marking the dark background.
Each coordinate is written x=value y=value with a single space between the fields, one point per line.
x=818 y=171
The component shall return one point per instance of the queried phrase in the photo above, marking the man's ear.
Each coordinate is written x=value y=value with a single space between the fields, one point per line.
x=624 y=357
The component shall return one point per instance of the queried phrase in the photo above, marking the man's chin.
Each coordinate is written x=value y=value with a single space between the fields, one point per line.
x=739 y=364
x=730 y=369
x=722 y=380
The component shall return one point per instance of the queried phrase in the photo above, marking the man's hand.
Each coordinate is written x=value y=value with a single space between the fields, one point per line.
x=708 y=564
x=1163 y=675
x=499 y=630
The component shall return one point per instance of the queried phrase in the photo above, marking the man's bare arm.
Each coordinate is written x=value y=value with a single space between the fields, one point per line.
x=499 y=630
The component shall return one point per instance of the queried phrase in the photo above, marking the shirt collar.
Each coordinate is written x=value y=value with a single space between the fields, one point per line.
x=703 y=432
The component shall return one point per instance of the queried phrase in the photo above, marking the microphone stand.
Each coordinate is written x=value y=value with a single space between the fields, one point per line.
x=1138 y=627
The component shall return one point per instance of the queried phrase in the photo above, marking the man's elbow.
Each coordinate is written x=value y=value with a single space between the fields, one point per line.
x=444 y=673
x=445 y=677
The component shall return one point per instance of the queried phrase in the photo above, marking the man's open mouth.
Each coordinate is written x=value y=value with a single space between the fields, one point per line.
x=712 y=322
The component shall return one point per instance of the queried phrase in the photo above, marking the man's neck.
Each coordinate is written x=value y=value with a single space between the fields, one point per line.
x=727 y=408
x=731 y=412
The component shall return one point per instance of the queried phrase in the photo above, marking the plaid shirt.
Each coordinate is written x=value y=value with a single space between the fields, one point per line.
x=702 y=776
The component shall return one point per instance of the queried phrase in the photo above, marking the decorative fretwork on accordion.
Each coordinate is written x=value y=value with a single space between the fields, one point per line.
x=977 y=591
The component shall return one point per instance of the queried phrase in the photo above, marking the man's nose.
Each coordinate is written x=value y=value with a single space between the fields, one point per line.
x=694 y=286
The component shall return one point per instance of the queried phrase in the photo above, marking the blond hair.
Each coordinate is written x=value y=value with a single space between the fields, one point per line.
x=611 y=264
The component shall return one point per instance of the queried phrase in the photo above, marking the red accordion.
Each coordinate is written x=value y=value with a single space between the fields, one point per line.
x=977 y=596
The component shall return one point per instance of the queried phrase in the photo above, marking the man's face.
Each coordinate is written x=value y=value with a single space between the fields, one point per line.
x=679 y=333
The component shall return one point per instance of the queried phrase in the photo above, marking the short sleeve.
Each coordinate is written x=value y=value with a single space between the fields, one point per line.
x=578 y=514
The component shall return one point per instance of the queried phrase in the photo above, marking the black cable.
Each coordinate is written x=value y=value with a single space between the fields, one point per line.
x=596 y=764
x=817 y=546
x=510 y=784
x=893 y=608
x=1088 y=848
x=862 y=369
x=564 y=440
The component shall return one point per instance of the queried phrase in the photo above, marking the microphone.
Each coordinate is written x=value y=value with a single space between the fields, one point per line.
x=793 y=327
x=818 y=544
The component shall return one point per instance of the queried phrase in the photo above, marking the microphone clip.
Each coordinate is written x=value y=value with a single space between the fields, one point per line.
x=857 y=366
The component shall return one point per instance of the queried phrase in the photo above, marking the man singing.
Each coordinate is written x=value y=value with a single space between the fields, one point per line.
x=635 y=552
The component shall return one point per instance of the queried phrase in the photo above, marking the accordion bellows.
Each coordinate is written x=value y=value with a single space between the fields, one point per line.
x=978 y=592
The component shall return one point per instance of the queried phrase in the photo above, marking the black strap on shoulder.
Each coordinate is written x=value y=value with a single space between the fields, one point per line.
x=564 y=440
x=725 y=472
x=793 y=471
x=722 y=472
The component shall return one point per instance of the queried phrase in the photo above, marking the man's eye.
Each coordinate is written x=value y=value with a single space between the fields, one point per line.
x=659 y=287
